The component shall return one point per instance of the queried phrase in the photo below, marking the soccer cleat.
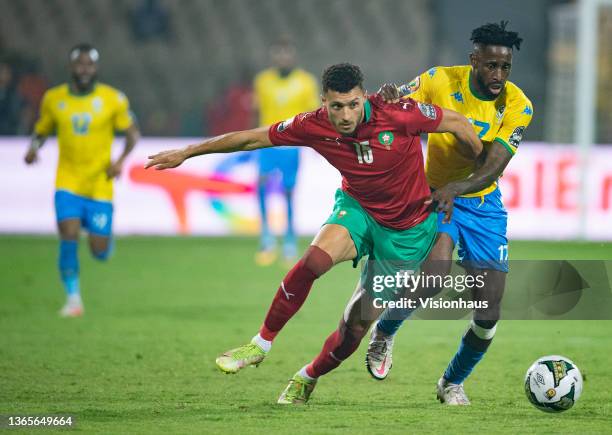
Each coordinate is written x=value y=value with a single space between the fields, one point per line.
x=265 y=257
x=379 y=358
x=72 y=309
x=298 y=391
x=266 y=254
x=451 y=394
x=234 y=360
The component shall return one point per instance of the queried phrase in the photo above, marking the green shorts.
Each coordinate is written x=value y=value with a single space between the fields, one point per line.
x=388 y=250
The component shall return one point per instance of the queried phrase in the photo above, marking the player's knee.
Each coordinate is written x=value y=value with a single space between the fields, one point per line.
x=356 y=330
x=317 y=261
x=101 y=251
x=101 y=255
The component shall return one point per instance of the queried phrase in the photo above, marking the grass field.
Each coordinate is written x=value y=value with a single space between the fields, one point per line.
x=142 y=359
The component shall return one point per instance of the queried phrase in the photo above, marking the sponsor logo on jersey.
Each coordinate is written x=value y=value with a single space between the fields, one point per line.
x=516 y=136
x=458 y=96
x=528 y=111
x=431 y=72
x=427 y=110
x=500 y=113
x=386 y=138
x=285 y=124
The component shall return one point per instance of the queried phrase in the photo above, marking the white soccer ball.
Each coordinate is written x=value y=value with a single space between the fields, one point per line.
x=553 y=383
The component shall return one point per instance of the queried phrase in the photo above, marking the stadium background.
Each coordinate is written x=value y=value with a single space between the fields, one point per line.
x=141 y=360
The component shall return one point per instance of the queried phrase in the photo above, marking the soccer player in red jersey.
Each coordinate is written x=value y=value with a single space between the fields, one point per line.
x=381 y=211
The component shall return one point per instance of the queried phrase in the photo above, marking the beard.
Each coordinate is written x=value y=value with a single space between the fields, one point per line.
x=84 y=85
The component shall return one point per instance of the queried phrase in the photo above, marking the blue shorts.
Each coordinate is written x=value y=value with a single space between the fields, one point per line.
x=478 y=228
x=282 y=159
x=96 y=216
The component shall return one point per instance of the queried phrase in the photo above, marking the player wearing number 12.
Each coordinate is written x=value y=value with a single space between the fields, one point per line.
x=85 y=114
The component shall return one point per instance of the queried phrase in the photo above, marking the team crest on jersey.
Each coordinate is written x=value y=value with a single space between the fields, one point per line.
x=500 y=113
x=284 y=125
x=386 y=138
x=97 y=104
x=427 y=110
x=516 y=136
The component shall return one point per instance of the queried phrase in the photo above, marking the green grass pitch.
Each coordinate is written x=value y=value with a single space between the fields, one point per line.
x=142 y=358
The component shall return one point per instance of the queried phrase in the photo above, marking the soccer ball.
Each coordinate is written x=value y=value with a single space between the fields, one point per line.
x=553 y=383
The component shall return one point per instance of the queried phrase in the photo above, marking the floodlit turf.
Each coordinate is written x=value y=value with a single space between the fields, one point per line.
x=142 y=358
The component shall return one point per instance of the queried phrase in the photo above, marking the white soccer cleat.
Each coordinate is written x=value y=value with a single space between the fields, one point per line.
x=451 y=394
x=72 y=308
x=379 y=358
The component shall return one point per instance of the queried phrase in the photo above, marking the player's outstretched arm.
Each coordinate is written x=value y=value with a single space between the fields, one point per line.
x=247 y=140
x=453 y=122
x=32 y=153
x=496 y=160
x=132 y=135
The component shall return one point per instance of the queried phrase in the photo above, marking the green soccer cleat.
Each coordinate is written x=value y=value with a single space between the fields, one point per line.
x=234 y=360
x=298 y=391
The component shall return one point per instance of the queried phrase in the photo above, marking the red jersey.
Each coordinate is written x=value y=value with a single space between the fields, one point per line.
x=381 y=163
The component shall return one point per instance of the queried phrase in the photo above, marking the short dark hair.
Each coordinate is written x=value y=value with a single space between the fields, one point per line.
x=84 y=48
x=496 y=34
x=341 y=77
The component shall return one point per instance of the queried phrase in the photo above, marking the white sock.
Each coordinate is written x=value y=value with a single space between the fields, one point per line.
x=75 y=299
x=264 y=344
x=305 y=375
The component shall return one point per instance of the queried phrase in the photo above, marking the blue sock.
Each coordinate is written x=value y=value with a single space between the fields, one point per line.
x=462 y=363
x=265 y=231
x=391 y=320
x=290 y=240
x=105 y=255
x=69 y=266
x=290 y=231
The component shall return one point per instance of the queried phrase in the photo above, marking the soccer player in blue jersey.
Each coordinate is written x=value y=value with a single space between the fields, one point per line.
x=472 y=215
x=85 y=114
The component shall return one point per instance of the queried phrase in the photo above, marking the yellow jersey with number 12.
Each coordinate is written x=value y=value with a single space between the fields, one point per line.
x=85 y=126
x=503 y=119
x=279 y=98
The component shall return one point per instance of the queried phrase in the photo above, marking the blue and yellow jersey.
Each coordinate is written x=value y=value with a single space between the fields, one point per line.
x=503 y=119
x=85 y=126
x=280 y=98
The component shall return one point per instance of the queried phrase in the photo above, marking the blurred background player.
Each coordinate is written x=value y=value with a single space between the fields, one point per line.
x=500 y=113
x=85 y=114
x=281 y=92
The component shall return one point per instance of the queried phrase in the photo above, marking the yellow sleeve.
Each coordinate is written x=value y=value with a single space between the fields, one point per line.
x=123 y=116
x=45 y=123
x=420 y=88
x=312 y=94
x=515 y=122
